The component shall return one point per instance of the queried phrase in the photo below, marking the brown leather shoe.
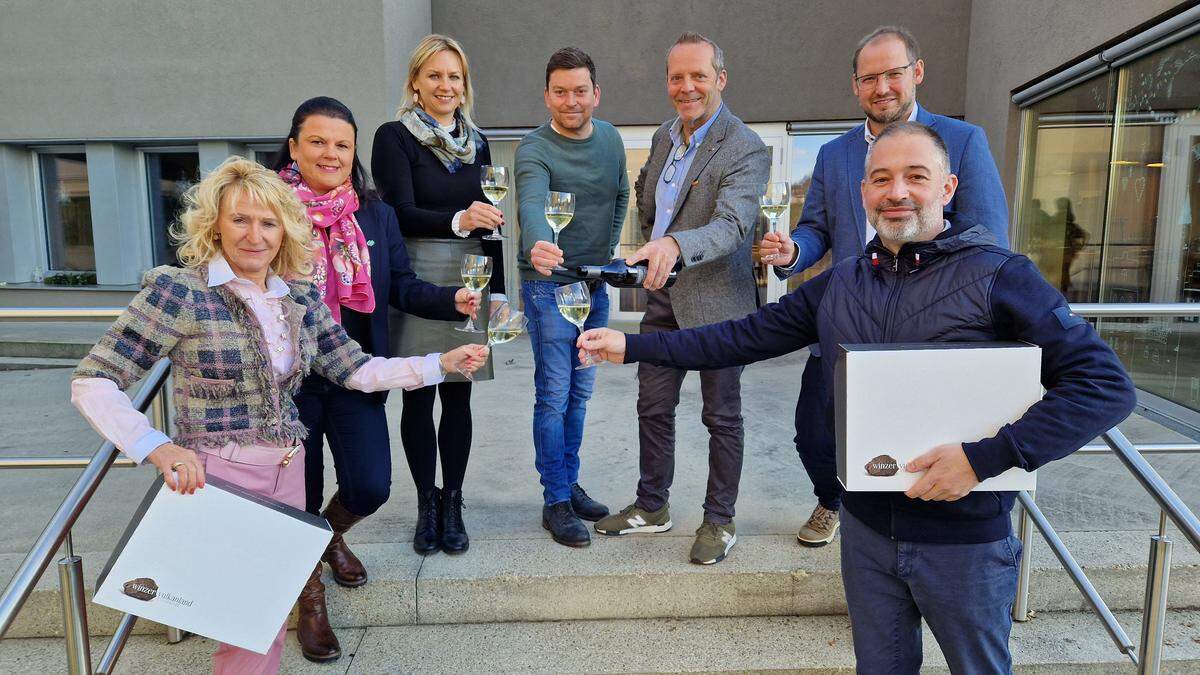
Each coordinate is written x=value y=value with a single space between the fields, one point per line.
x=347 y=569
x=317 y=641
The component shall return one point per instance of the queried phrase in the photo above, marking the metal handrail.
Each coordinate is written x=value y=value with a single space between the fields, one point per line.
x=1149 y=654
x=1118 y=634
x=48 y=313
x=1168 y=501
x=23 y=581
x=1136 y=309
x=59 y=462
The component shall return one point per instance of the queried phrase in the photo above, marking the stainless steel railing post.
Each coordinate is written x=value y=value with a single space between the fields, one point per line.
x=109 y=661
x=1020 y=611
x=74 y=608
x=1154 y=614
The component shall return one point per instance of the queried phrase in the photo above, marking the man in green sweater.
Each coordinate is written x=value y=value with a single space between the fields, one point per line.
x=584 y=156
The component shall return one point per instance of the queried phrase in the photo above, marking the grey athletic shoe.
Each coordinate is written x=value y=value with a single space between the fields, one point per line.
x=631 y=520
x=713 y=542
x=822 y=525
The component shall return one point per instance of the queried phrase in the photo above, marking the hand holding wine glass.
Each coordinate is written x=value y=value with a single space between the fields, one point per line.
x=606 y=343
x=494 y=181
x=545 y=257
x=465 y=359
x=505 y=324
x=773 y=202
x=476 y=272
x=575 y=303
x=560 y=209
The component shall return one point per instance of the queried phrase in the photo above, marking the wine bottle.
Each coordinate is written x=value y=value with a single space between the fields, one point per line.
x=618 y=273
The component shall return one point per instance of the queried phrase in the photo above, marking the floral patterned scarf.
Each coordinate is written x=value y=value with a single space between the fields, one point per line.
x=341 y=259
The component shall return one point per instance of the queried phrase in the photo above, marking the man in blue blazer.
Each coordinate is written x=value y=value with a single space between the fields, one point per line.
x=887 y=68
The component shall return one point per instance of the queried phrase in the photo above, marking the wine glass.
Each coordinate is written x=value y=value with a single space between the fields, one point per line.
x=773 y=202
x=575 y=303
x=476 y=272
x=494 y=181
x=504 y=325
x=560 y=209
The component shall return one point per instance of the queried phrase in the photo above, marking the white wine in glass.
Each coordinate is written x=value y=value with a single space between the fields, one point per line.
x=560 y=209
x=773 y=203
x=575 y=304
x=476 y=273
x=505 y=325
x=494 y=181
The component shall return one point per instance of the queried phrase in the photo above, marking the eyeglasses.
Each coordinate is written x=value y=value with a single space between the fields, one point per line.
x=892 y=76
x=669 y=173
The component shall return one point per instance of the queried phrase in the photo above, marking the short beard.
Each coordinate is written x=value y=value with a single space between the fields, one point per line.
x=901 y=114
x=918 y=227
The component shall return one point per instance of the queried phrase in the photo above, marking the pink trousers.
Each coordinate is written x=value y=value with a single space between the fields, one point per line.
x=261 y=470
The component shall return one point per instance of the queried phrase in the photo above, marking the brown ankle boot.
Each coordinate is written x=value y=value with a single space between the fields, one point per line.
x=317 y=641
x=347 y=569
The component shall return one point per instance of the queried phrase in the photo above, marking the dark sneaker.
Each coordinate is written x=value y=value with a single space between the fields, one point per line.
x=631 y=520
x=822 y=525
x=565 y=527
x=712 y=543
x=584 y=506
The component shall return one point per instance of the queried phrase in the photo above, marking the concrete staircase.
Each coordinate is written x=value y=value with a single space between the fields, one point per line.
x=635 y=604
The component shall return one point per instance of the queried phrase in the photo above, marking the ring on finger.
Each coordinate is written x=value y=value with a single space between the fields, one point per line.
x=175 y=465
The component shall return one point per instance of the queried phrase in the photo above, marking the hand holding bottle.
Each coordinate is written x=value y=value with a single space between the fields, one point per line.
x=606 y=343
x=661 y=255
x=545 y=256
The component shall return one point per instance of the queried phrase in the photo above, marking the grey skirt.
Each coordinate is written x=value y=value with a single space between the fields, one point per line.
x=439 y=261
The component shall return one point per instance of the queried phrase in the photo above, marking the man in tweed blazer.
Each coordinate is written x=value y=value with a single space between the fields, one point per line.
x=697 y=199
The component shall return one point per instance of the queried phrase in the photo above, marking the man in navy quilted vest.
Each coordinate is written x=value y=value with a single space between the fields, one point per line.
x=938 y=551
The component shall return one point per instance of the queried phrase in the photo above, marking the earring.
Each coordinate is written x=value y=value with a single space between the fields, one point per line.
x=416 y=98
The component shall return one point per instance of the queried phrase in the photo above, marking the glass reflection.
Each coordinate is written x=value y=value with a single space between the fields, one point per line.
x=66 y=203
x=168 y=176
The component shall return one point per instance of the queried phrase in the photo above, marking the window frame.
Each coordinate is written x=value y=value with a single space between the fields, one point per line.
x=36 y=152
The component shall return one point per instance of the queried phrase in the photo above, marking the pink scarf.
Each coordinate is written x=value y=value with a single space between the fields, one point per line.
x=341 y=259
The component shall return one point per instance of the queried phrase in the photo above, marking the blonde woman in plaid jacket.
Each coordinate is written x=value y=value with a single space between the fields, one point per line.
x=240 y=339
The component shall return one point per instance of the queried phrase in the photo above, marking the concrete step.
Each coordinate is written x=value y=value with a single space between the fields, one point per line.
x=23 y=363
x=1057 y=642
x=53 y=349
x=640 y=577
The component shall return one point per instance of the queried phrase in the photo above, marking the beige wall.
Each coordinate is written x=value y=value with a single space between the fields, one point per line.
x=787 y=60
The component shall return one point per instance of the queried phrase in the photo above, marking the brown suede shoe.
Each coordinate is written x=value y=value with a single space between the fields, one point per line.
x=347 y=569
x=317 y=641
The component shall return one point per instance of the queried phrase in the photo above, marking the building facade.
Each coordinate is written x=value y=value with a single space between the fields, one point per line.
x=110 y=111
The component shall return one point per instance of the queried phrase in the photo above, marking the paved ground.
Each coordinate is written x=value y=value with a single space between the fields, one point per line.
x=502 y=492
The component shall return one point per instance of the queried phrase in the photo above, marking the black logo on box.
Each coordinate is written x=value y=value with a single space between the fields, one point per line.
x=883 y=465
x=142 y=588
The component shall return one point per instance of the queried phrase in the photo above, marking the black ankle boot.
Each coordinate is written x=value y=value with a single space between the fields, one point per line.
x=565 y=527
x=429 y=504
x=454 y=533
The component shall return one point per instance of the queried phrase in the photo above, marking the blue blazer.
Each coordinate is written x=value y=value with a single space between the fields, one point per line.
x=393 y=279
x=834 y=217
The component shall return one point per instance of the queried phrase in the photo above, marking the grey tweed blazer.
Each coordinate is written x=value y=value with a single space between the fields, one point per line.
x=714 y=219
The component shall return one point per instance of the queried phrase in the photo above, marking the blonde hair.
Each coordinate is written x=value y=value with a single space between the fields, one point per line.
x=425 y=50
x=197 y=230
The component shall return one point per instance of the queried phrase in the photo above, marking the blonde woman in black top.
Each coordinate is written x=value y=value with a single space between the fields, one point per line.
x=426 y=165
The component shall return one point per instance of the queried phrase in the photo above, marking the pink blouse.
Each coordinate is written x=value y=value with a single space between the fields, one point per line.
x=112 y=415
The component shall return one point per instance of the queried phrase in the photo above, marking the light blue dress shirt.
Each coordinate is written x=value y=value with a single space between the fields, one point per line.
x=666 y=193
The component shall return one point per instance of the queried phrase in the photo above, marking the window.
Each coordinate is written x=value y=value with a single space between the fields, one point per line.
x=1109 y=206
x=803 y=161
x=66 y=205
x=169 y=173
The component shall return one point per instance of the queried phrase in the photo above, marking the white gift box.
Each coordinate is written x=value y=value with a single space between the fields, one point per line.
x=224 y=562
x=893 y=402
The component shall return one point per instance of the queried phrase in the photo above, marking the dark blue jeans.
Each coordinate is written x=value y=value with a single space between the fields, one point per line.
x=964 y=592
x=356 y=426
x=814 y=439
x=561 y=391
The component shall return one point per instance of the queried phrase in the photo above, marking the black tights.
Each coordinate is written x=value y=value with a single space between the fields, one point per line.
x=452 y=437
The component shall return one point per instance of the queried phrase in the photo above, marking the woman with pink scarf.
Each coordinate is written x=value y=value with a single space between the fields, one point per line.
x=361 y=265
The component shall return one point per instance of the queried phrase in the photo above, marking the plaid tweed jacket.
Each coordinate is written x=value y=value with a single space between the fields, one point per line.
x=223 y=385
